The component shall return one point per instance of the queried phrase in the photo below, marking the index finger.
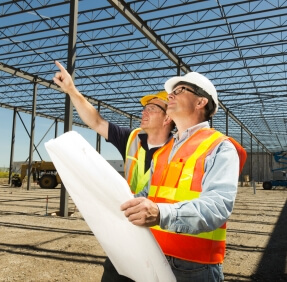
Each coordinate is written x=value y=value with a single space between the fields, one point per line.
x=58 y=64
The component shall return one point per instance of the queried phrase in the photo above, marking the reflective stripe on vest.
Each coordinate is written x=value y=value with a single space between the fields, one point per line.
x=180 y=180
x=135 y=163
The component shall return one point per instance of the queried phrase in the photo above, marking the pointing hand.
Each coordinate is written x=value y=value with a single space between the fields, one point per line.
x=63 y=79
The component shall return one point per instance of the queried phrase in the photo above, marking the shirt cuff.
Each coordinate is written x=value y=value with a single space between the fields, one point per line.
x=168 y=216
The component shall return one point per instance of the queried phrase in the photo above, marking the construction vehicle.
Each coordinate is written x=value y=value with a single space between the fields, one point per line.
x=43 y=172
x=279 y=157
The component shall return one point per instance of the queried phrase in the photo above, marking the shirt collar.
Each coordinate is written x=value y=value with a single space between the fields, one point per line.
x=191 y=130
x=143 y=138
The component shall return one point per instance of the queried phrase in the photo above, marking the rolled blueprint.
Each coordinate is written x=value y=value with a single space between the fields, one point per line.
x=98 y=190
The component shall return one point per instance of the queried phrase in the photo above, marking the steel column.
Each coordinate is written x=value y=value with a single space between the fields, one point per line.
x=68 y=104
x=98 y=146
x=241 y=142
x=131 y=121
x=56 y=128
x=258 y=166
x=226 y=122
x=33 y=117
x=12 y=145
x=251 y=159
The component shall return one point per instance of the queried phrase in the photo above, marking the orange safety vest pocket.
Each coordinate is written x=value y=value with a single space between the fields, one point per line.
x=173 y=173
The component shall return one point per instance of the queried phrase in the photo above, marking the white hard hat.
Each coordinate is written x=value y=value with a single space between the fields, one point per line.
x=197 y=79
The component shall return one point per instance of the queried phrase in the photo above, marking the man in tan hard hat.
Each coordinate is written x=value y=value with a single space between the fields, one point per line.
x=193 y=185
x=136 y=146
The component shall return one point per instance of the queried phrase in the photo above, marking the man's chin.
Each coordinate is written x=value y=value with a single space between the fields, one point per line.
x=143 y=125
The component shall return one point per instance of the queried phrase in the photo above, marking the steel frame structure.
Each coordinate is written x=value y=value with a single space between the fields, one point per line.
x=127 y=49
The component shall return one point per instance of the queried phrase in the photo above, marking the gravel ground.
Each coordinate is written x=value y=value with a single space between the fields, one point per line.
x=38 y=245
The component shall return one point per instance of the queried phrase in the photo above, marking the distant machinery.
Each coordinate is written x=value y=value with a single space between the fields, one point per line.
x=281 y=158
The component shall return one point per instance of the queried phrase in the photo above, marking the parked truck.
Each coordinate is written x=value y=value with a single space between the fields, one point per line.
x=279 y=174
x=44 y=173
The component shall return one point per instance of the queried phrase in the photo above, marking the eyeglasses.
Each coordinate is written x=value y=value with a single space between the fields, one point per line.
x=182 y=89
x=153 y=108
x=210 y=106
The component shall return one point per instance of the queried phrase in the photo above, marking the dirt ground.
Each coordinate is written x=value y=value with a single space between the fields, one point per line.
x=38 y=245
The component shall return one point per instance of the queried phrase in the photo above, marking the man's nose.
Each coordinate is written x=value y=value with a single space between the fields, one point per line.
x=170 y=96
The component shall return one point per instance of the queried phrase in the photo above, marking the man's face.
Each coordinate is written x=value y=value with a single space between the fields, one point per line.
x=181 y=101
x=153 y=115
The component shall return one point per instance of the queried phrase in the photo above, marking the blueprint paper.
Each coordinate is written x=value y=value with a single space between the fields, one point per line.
x=98 y=190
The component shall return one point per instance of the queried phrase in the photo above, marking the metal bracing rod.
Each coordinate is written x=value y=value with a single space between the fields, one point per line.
x=45 y=134
x=28 y=134
x=50 y=84
x=40 y=141
x=136 y=21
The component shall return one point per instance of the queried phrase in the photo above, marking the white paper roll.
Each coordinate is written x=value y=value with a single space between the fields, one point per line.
x=98 y=190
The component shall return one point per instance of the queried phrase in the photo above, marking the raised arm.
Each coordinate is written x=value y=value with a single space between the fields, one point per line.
x=86 y=110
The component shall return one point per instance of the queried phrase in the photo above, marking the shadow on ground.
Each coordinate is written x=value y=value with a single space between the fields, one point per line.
x=273 y=263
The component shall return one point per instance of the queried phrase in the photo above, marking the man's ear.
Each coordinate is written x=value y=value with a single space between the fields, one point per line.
x=202 y=101
x=167 y=120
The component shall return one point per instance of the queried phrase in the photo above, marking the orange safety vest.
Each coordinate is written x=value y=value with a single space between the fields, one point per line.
x=181 y=180
x=135 y=163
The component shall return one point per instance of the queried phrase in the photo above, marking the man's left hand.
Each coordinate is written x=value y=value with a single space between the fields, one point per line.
x=141 y=211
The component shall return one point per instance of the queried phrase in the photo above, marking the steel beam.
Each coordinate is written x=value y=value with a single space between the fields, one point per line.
x=137 y=22
x=50 y=84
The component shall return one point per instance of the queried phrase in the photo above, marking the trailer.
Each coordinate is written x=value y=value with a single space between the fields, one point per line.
x=44 y=173
x=279 y=157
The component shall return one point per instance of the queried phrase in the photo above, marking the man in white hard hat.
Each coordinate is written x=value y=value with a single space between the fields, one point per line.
x=193 y=186
x=136 y=146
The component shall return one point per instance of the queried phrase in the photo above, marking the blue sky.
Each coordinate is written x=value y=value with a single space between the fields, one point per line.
x=21 y=149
